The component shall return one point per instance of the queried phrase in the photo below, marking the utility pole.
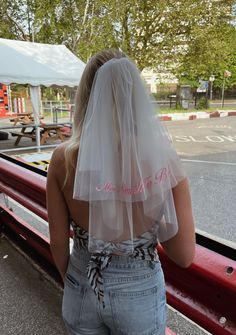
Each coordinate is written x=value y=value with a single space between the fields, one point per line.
x=211 y=79
x=227 y=74
x=223 y=93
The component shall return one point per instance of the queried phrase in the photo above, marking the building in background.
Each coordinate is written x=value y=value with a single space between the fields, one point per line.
x=160 y=83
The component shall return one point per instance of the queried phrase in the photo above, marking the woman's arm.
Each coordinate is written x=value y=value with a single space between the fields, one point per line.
x=181 y=247
x=58 y=217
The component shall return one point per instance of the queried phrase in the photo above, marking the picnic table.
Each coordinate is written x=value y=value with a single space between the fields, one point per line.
x=22 y=117
x=47 y=131
x=51 y=131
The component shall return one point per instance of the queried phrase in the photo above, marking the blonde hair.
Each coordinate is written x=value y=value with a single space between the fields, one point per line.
x=82 y=98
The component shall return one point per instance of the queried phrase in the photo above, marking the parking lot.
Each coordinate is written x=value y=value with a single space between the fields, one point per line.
x=207 y=148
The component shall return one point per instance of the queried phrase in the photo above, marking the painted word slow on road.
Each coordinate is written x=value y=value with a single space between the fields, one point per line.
x=205 y=139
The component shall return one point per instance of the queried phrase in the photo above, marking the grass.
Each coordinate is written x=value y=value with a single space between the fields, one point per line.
x=59 y=114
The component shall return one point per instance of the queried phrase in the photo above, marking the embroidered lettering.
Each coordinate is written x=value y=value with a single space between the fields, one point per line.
x=159 y=177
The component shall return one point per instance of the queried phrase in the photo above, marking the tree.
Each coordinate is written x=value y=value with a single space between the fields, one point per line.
x=164 y=34
x=17 y=18
x=160 y=34
x=210 y=50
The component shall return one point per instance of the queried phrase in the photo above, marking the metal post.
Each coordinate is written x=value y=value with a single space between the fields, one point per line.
x=61 y=107
x=211 y=79
x=223 y=94
x=51 y=108
x=37 y=133
x=211 y=90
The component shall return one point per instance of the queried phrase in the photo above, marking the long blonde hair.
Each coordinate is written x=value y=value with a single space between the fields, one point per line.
x=82 y=97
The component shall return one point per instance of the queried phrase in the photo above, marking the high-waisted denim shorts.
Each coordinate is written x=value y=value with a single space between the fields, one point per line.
x=134 y=297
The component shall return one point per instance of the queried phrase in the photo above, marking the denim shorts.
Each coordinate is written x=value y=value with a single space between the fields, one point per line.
x=134 y=296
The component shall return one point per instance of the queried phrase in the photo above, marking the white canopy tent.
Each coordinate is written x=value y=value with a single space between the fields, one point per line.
x=38 y=64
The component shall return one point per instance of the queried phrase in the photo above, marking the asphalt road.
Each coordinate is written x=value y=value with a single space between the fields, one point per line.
x=208 y=150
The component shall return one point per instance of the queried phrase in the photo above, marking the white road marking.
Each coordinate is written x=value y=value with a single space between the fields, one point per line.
x=214 y=126
x=204 y=139
x=207 y=162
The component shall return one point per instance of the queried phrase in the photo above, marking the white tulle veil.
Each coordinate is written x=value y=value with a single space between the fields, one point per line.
x=126 y=165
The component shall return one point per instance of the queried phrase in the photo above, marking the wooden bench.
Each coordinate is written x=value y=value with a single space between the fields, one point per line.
x=51 y=131
x=21 y=117
x=21 y=134
x=24 y=117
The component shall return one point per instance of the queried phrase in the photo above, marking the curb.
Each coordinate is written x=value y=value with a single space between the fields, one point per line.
x=197 y=115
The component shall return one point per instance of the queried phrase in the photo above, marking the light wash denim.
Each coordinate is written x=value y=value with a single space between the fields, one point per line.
x=134 y=296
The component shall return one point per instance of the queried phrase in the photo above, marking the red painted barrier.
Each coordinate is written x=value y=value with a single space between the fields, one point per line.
x=24 y=186
x=233 y=113
x=28 y=233
x=165 y=118
x=205 y=292
x=214 y=114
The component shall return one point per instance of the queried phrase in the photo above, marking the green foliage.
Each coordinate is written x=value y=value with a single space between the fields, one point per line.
x=212 y=47
x=203 y=103
x=17 y=17
x=48 y=93
x=192 y=39
x=213 y=54
x=179 y=107
x=187 y=80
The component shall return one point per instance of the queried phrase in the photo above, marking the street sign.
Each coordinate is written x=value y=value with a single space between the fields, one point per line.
x=203 y=86
x=227 y=74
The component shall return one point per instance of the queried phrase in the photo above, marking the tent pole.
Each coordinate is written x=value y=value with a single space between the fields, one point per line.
x=35 y=96
x=37 y=131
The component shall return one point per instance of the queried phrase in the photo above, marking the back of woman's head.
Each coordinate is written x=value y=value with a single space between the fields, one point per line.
x=82 y=98
x=86 y=81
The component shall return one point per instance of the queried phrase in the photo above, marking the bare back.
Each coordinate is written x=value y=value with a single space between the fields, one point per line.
x=180 y=248
x=78 y=210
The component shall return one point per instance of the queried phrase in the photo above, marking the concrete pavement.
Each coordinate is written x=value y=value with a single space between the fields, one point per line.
x=29 y=304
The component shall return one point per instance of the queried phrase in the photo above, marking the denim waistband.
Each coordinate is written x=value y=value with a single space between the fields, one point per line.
x=81 y=256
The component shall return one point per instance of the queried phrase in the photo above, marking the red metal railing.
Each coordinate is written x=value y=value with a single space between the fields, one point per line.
x=205 y=292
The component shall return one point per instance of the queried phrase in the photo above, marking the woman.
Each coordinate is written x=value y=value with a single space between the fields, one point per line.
x=120 y=185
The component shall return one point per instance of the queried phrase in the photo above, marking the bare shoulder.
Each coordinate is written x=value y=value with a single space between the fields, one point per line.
x=58 y=155
x=57 y=161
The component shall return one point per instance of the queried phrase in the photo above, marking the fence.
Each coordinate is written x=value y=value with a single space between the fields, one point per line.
x=48 y=107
